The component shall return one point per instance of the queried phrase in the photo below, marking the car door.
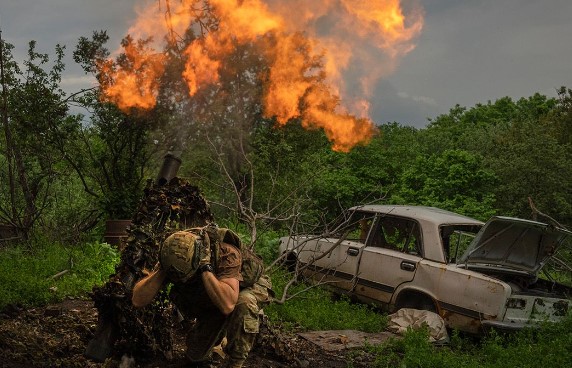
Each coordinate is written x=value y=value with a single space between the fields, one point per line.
x=337 y=258
x=389 y=259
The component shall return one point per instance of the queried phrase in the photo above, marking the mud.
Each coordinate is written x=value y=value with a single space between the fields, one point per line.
x=56 y=336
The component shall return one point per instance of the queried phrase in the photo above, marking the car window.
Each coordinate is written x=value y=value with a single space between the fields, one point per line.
x=398 y=234
x=456 y=240
x=357 y=227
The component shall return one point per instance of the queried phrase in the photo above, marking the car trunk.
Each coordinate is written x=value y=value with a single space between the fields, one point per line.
x=516 y=250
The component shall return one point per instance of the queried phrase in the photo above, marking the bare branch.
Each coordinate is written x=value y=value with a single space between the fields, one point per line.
x=536 y=212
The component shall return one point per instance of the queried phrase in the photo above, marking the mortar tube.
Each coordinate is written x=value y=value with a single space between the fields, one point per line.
x=169 y=169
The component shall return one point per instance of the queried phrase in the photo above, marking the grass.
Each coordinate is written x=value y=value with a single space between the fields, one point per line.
x=26 y=277
x=316 y=309
x=548 y=346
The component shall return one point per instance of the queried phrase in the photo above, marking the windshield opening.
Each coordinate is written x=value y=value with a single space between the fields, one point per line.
x=456 y=240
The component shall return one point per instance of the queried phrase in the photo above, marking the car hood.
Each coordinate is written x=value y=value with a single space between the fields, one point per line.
x=516 y=244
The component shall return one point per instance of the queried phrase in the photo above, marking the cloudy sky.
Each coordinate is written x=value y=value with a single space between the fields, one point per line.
x=469 y=52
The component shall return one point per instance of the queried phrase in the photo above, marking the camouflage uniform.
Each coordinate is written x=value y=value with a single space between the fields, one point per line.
x=244 y=321
x=211 y=326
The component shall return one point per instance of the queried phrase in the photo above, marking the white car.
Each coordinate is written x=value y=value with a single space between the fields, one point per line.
x=474 y=275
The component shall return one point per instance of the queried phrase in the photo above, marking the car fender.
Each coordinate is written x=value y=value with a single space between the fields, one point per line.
x=422 y=296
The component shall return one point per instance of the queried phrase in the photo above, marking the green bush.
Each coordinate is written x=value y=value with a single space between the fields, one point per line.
x=26 y=277
x=267 y=246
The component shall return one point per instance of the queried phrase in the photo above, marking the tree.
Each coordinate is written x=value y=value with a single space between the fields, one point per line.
x=36 y=123
x=473 y=128
x=454 y=180
x=522 y=142
x=116 y=147
x=532 y=158
x=561 y=116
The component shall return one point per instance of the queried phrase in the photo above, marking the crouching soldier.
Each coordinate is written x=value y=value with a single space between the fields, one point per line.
x=218 y=283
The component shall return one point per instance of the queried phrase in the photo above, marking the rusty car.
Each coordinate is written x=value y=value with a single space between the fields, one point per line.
x=475 y=275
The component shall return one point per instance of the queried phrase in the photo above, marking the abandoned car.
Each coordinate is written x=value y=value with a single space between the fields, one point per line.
x=475 y=275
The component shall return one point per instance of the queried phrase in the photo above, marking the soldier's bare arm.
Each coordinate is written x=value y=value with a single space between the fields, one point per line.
x=147 y=288
x=223 y=292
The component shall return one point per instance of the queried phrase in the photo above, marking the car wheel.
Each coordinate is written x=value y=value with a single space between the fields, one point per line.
x=416 y=301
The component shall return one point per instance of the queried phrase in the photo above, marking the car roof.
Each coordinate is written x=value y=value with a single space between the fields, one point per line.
x=424 y=213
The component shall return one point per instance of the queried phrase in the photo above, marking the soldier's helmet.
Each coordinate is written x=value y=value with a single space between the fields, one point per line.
x=178 y=255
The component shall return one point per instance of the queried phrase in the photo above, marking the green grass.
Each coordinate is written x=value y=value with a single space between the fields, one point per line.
x=316 y=309
x=548 y=346
x=26 y=277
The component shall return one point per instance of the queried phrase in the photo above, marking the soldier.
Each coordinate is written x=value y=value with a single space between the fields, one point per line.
x=216 y=283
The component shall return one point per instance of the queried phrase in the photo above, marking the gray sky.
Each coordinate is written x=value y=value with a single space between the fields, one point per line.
x=469 y=52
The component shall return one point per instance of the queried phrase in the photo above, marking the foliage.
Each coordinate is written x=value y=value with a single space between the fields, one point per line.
x=36 y=124
x=402 y=145
x=266 y=246
x=71 y=217
x=471 y=128
x=350 y=178
x=26 y=277
x=286 y=160
x=315 y=309
x=367 y=174
x=523 y=143
x=561 y=116
x=454 y=180
x=296 y=167
x=539 y=168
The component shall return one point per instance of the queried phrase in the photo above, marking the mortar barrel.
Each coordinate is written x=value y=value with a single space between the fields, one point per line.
x=171 y=164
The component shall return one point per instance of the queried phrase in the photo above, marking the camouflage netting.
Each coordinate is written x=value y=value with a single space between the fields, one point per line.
x=145 y=332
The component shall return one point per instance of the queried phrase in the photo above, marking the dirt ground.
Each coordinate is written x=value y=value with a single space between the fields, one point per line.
x=56 y=336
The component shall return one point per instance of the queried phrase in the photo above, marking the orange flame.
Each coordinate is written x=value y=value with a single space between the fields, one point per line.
x=200 y=69
x=136 y=84
x=361 y=38
x=287 y=82
x=240 y=22
x=344 y=130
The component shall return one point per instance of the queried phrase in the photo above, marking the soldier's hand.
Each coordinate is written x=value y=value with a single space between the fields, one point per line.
x=204 y=254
